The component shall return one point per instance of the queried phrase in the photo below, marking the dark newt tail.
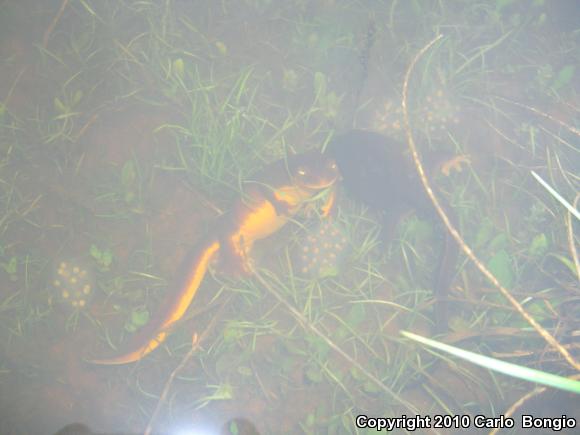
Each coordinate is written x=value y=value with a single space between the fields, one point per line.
x=190 y=276
x=445 y=275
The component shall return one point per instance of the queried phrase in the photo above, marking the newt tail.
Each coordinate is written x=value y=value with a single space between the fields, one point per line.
x=194 y=268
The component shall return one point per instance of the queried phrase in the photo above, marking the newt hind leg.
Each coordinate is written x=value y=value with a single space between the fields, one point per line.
x=234 y=256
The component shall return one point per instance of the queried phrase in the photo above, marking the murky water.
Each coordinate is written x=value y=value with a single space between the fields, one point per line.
x=126 y=128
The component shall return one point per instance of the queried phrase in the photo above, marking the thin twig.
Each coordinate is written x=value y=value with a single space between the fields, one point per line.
x=545 y=115
x=571 y=244
x=166 y=388
x=14 y=83
x=309 y=326
x=453 y=231
x=84 y=128
x=519 y=403
x=53 y=23
x=195 y=343
x=522 y=400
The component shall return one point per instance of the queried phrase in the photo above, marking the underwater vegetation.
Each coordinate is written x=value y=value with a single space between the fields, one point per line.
x=128 y=129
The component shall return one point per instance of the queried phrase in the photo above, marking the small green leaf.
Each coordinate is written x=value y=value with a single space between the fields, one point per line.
x=564 y=77
x=128 y=174
x=77 y=97
x=370 y=387
x=290 y=80
x=107 y=258
x=232 y=334
x=59 y=106
x=539 y=245
x=95 y=252
x=314 y=375
x=418 y=230
x=328 y=271
x=319 y=84
x=129 y=197
x=356 y=374
x=179 y=67
x=11 y=267
x=222 y=48
x=542 y=18
x=501 y=266
x=459 y=324
x=140 y=317
x=320 y=346
x=245 y=371
x=233 y=428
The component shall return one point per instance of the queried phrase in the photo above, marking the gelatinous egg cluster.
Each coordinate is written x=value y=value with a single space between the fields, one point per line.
x=322 y=251
x=73 y=284
x=437 y=112
x=388 y=118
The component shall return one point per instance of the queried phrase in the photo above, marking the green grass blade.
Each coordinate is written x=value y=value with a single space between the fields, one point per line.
x=556 y=195
x=509 y=369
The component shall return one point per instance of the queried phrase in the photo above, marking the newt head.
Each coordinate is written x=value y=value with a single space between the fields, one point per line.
x=312 y=170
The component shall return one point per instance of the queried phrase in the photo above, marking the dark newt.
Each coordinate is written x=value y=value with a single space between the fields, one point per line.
x=376 y=171
x=269 y=201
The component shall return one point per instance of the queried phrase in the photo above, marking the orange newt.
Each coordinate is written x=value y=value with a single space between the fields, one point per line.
x=269 y=201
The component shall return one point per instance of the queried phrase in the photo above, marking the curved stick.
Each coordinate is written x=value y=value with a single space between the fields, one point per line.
x=453 y=231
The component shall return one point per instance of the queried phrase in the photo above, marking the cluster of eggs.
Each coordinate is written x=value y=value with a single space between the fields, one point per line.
x=388 y=119
x=437 y=113
x=322 y=251
x=73 y=284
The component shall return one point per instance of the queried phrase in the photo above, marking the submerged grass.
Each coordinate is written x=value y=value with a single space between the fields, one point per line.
x=226 y=111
